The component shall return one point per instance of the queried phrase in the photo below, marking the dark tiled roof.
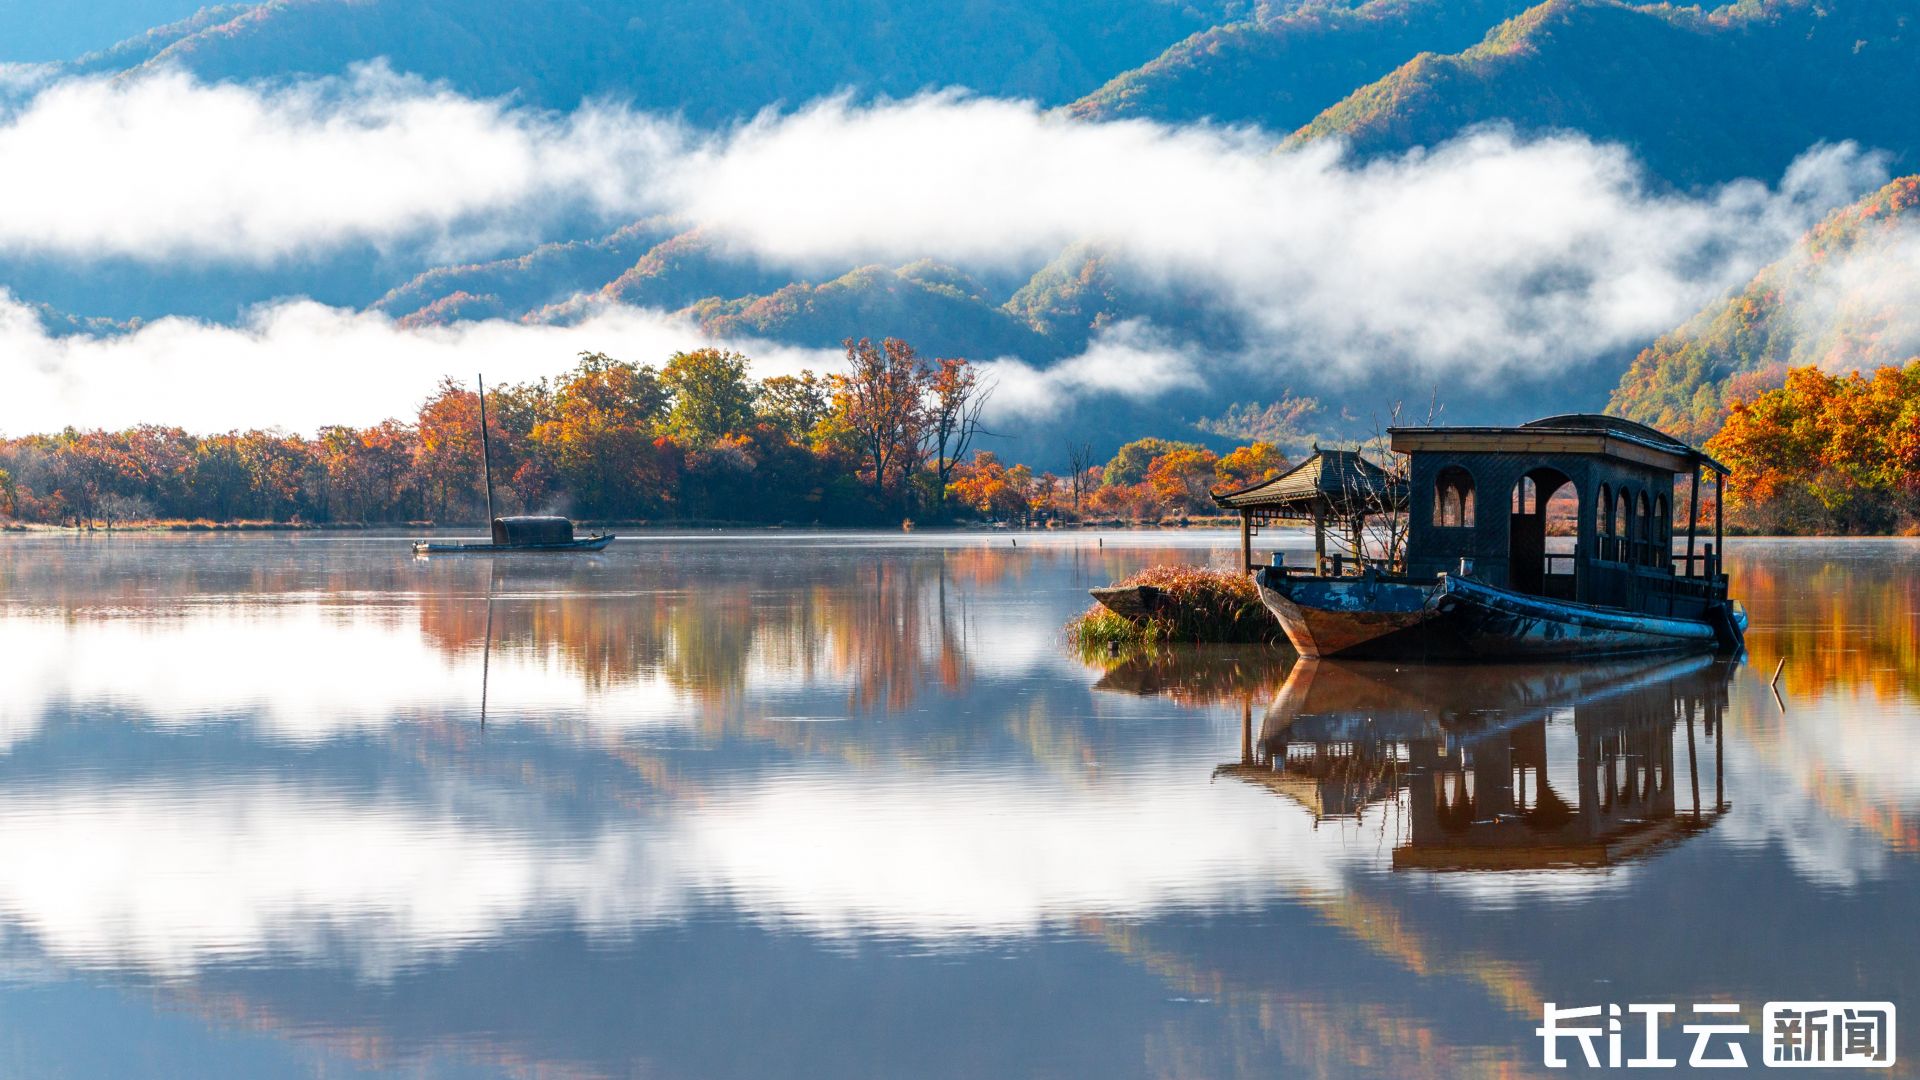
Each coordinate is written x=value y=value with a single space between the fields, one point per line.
x=1340 y=478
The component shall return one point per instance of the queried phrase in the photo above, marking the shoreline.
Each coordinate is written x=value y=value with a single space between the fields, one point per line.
x=25 y=528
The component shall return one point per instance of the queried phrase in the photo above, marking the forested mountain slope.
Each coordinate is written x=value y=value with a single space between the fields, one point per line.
x=1843 y=299
x=711 y=60
x=1281 y=69
x=1700 y=97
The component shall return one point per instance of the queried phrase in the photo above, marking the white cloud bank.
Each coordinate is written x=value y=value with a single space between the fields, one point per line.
x=1487 y=254
x=302 y=365
x=164 y=167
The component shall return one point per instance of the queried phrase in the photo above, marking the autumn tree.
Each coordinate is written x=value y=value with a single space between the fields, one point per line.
x=602 y=436
x=711 y=396
x=793 y=404
x=993 y=489
x=879 y=404
x=1181 y=479
x=1250 y=465
x=1129 y=464
x=447 y=451
x=1827 y=453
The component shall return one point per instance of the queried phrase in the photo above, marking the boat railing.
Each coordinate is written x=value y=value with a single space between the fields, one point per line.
x=1700 y=565
x=1336 y=565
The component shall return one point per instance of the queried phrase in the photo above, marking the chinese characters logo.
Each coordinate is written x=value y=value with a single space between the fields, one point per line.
x=1794 y=1035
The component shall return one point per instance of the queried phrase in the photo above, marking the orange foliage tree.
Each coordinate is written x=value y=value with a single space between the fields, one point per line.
x=1827 y=453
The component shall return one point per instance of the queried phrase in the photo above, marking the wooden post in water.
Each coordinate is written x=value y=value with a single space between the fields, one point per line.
x=1693 y=766
x=1246 y=731
x=486 y=652
x=486 y=451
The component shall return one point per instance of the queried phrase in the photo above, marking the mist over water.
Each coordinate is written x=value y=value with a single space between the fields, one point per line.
x=786 y=803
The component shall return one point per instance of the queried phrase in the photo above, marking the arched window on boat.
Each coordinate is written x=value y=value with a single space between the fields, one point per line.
x=1623 y=509
x=1662 y=533
x=1646 y=529
x=1453 y=498
x=1526 y=496
x=1604 y=507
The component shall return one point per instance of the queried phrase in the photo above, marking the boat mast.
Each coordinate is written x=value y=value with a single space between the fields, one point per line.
x=486 y=452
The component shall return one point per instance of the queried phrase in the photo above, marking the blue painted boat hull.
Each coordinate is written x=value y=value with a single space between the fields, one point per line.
x=1456 y=618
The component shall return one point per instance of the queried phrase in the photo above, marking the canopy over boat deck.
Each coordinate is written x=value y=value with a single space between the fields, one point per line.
x=524 y=530
x=1339 y=486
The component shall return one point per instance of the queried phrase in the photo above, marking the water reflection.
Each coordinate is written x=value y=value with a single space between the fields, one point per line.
x=855 y=790
x=1500 y=768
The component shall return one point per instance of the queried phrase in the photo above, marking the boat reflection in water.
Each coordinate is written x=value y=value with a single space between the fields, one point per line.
x=1480 y=760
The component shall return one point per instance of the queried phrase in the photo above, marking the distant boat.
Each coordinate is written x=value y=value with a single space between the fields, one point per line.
x=519 y=534
x=529 y=533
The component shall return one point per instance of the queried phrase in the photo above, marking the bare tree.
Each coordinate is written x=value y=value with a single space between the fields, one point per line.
x=1080 y=456
x=1385 y=533
x=955 y=398
x=115 y=508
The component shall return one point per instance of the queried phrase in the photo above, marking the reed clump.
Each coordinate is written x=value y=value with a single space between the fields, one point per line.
x=1196 y=606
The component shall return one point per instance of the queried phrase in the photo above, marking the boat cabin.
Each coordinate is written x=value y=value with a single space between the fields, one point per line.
x=1578 y=507
x=525 y=530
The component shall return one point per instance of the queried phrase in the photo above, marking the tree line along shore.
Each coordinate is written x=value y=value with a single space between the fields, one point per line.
x=891 y=438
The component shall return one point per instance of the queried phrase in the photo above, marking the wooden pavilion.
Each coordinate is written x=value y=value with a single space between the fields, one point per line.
x=1338 y=488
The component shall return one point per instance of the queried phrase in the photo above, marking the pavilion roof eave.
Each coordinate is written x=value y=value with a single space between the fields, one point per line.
x=1359 y=487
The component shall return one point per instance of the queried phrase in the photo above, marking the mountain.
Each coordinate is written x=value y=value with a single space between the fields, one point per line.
x=1701 y=97
x=712 y=60
x=942 y=311
x=1081 y=291
x=1280 y=69
x=545 y=275
x=1842 y=299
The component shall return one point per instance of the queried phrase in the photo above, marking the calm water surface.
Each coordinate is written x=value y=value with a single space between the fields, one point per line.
x=786 y=805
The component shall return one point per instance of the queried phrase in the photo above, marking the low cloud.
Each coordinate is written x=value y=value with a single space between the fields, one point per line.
x=1860 y=309
x=302 y=365
x=164 y=167
x=1484 y=257
x=1487 y=252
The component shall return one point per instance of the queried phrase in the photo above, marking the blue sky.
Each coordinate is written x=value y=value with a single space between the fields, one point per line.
x=36 y=30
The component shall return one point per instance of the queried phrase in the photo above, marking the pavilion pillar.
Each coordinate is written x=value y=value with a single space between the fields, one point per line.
x=1719 y=535
x=1246 y=540
x=1693 y=516
x=1319 y=539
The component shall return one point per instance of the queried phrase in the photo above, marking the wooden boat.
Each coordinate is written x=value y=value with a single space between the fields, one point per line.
x=1476 y=580
x=522 y=533
x=516 y=534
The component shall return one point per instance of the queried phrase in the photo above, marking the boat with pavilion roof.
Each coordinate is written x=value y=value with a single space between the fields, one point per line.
x=1465 y=571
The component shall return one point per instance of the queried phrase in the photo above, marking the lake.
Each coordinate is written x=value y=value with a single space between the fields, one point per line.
x=848 y=805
